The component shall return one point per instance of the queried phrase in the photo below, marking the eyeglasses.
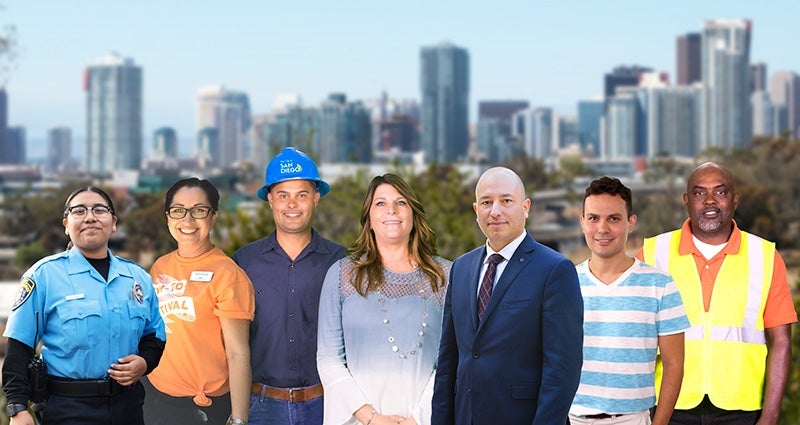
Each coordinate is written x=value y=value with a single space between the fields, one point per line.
x=198 y=212
x=80 y=211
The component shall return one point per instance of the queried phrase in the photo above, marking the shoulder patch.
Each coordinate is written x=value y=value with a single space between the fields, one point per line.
x=23 y=292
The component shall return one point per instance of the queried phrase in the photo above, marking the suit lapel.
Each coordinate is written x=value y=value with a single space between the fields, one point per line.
x=515 y=265
x=475 y=269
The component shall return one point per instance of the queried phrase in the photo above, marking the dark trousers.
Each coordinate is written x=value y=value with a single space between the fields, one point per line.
x=163 y=409
x=707 y=414
x=123 y=408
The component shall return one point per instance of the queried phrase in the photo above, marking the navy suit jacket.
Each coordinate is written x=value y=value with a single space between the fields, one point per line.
x=522 y=363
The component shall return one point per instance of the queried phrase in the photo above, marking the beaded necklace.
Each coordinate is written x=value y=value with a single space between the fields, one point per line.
x=391 y=339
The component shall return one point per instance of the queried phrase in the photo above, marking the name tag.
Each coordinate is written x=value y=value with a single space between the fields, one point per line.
x=75 y=297
x=198 y=276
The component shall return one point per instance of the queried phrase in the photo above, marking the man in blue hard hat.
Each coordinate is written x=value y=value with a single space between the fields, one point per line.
x=287 y=269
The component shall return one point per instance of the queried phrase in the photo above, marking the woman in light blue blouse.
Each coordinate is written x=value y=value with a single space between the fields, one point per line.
x=380 y=314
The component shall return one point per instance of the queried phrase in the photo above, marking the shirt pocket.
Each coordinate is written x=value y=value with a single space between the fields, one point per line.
x=80 y=320
x=137 y=314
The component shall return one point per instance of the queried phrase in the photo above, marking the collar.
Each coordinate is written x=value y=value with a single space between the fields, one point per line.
x=508 y=251
x=687 y=245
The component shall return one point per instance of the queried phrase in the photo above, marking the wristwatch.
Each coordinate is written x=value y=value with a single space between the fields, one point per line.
x=13 y=408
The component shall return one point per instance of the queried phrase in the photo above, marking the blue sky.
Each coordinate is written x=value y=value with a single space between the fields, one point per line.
x=549 y=53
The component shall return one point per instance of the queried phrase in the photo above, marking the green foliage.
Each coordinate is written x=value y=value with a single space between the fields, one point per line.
x=145 y=225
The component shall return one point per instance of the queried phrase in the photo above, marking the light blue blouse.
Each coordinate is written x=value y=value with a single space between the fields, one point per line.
x=382 y=349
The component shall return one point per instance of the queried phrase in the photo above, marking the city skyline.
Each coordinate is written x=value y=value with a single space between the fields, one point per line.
x=545 y=54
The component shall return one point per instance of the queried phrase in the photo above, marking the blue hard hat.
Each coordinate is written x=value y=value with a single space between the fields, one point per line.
x=291 y=164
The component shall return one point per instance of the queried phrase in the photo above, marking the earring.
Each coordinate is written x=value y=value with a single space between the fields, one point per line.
x=66 y=232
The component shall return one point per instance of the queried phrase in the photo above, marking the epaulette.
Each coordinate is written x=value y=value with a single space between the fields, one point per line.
x=130 y=262
x=49 y=258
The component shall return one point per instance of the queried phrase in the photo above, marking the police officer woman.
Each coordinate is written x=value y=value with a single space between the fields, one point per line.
x=97 y=317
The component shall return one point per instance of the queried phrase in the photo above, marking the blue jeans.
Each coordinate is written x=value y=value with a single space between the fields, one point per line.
x=270 y=411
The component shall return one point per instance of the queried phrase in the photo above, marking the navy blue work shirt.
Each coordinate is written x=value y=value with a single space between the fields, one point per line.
x=283 y=334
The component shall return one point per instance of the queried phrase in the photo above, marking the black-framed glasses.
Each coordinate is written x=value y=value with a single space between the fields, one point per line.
x=98 y=210
x=198 y=212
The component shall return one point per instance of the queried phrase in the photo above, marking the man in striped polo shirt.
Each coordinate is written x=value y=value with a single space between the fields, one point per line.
x=632 y=313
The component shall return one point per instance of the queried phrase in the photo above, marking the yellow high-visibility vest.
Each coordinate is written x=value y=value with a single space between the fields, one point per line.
x=725 y=351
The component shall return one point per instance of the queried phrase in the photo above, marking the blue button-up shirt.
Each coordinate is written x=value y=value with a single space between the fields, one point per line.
x=283 y=334
x=86 y=323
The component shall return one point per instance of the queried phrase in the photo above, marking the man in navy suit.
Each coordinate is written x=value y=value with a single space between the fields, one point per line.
x=519 y=360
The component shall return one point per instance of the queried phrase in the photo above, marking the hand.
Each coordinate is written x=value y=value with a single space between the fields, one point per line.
x=129 y=369
x=408 y=421
x=22 y=418
x=386 y=419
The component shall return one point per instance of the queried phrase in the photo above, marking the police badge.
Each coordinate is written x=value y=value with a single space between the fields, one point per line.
x=23 y=292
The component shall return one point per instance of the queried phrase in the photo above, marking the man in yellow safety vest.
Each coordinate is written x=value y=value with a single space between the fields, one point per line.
x=737 y=297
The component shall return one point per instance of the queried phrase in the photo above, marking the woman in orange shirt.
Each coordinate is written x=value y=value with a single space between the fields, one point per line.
x=207 y=304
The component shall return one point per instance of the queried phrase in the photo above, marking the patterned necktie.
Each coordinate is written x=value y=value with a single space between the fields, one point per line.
x=487 y=283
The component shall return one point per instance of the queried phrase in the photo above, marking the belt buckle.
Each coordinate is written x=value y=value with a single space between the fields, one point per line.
x=291 y=395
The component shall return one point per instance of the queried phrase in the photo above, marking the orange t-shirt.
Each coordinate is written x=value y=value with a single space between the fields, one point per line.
x=779 y=309
x=193 y=294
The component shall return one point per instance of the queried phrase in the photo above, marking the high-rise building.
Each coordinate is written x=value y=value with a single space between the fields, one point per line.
x=207 y=146
x=59 y=149
x=398 y=134
x=784 y=89
x=345 y=131
x=590 y=113
x=14 y=151
x=758 y=77
x=229 y=112
x=165 y=144
x=622 y=126
x=565 y=131
x=444 y=81
x=3 y=124
x=535 y=129
x=622 y=76
x=727 y=115
x=494 y=128
x=673 y=120
x=688 y=59
x=763 y=114
x=113 y=86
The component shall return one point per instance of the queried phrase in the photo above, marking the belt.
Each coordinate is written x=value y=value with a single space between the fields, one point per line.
x=84 y=388
x=602 y=416
x=295 y=395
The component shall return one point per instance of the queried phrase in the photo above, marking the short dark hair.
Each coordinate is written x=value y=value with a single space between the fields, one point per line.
x=610 y=186
x=206 y=186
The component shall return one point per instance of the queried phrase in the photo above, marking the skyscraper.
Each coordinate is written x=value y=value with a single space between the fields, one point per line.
x=59 y=149
x=535 y=131
x=345 y=131
x=165 y=144
x=444 y=81
x=15 y=150
x=494 y=128
x=727 y=116
x=229 y=112
x=758 y=74
x=622 y=126
x=113 y=86
x=590 y=112
x=784 y=90
x=622 y=76
x=673 y=120
x=688 y=58
x=3 y=125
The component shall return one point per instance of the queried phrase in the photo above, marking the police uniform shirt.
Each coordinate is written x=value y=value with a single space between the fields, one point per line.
x=86 y=323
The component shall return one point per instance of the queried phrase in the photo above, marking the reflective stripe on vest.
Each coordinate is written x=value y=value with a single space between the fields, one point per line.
x=749 y=332
x=725 y=350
